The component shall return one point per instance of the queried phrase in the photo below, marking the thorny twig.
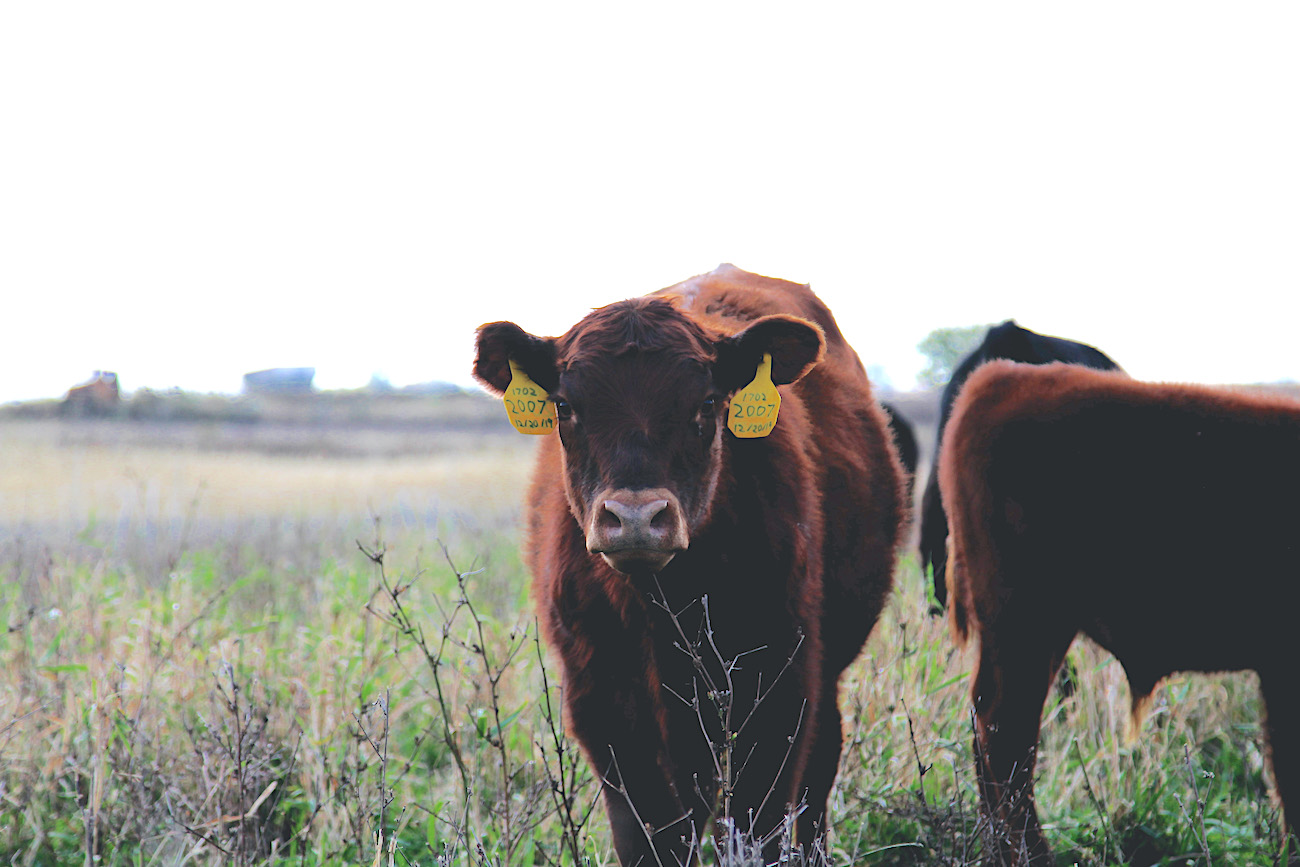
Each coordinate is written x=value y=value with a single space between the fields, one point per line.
x=728 y=768
x=1196 y=823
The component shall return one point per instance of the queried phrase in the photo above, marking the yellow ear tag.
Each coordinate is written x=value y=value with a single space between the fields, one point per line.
x=754 y=407
x=528 y=405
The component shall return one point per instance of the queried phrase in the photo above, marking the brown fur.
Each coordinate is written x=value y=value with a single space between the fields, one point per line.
x=1159 y=520
x=791 y=541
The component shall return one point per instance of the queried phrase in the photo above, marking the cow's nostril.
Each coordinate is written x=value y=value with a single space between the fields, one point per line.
x=662 y=517
x=610 y=517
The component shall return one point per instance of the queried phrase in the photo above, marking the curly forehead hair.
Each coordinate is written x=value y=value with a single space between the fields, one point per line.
x=637 y=325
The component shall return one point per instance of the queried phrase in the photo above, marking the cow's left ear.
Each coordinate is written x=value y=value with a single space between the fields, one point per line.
x=796 y=346
x=499 y=343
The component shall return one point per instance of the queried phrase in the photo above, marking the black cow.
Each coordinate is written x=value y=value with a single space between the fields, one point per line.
x=905 y=441
x=1013 y=343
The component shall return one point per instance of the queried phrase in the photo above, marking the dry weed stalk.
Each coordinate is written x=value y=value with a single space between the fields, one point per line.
x=381 y=753
x=1096 y=802
x=513 y=800
x=721 y=724
x=1195 y=821
x=245 y=770
x=569 y=776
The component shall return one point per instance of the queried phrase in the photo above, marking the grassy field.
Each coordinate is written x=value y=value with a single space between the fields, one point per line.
x=201 y=664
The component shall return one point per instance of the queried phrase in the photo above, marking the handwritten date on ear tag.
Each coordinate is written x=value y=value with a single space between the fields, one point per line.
x=527 y=403
x=754 y=408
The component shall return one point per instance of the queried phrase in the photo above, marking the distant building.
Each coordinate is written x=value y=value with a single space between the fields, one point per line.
x=280 y=380
x=99 y=396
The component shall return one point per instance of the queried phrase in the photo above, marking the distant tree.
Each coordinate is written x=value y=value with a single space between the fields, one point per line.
x=880 y=381
x=379 y=384
x=944 y=348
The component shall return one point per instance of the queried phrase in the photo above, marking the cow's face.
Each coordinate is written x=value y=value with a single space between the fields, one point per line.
x=641 y=394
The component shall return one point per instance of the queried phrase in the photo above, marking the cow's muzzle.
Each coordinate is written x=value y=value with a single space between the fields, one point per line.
x=637 y=531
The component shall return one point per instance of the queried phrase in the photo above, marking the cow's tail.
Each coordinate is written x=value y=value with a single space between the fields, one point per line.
x=1138 y=709
x=958 y=615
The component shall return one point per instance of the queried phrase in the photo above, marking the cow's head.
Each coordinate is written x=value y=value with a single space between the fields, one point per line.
x=641 y=393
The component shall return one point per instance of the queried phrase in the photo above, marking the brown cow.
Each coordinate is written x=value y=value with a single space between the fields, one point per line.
x=1159 y=520
x=704 y=591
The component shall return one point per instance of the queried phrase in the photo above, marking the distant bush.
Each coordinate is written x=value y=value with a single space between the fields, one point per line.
x=428 y=406
x=176 y=405
x=32 y=409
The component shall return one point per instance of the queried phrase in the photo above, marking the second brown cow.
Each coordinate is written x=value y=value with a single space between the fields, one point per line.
x=705 y=591
x=1158 y=520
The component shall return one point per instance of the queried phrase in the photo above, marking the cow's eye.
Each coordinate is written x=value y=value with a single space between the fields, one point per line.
x=563 y=411
x=706 y=412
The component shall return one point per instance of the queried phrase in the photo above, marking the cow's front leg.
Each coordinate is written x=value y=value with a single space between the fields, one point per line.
x=774 y=721
x=610 y=685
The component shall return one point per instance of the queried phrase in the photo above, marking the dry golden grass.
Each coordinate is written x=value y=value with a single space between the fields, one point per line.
x=48 y=475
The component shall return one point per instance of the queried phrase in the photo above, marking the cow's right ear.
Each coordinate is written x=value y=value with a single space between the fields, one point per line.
x=500 y=342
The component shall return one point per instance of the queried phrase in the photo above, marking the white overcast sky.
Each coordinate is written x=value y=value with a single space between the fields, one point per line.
x=191 y=191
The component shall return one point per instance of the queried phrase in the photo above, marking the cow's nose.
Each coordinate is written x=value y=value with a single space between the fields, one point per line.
x=622 y=516
x=637 y=530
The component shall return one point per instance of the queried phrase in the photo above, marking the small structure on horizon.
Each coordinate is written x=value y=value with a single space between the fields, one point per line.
x=98 y=397
x=280 y=380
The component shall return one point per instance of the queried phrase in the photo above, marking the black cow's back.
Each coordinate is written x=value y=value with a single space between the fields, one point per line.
x=1013 y=343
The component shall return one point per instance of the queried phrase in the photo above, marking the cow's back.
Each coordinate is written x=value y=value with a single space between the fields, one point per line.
x=1194 y=485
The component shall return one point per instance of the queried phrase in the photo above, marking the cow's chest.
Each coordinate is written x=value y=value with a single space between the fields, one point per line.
x=716 y=653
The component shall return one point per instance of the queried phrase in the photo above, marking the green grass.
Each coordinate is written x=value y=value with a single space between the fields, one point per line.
x=188 y=681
